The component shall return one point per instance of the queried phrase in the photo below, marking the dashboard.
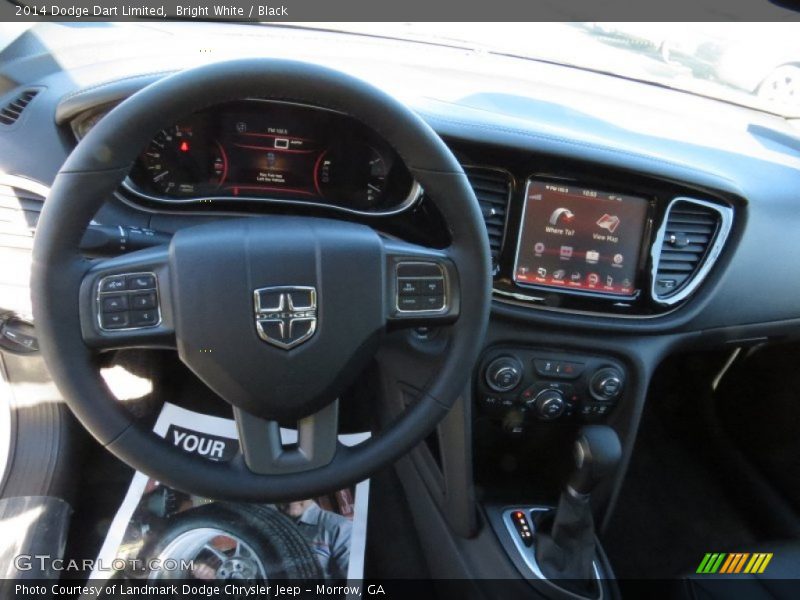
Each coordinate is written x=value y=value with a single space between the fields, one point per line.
x=565 y=237
x=727 y=176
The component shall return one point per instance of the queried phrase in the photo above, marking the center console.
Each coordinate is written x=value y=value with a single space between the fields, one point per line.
x=520 y=386
x=557 y=546
x=599 y=243
x=586 y=258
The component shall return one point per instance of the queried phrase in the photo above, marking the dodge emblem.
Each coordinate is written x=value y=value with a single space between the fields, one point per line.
x=286 y=316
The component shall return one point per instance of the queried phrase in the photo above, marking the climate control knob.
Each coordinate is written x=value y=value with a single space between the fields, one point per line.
x=549 y=405
x=606 y=384
x=504 y=373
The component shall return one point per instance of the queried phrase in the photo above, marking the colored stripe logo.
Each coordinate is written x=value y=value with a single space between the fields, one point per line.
x=735 y=562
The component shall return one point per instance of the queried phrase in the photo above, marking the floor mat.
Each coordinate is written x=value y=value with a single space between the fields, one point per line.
x=393 y=547
x=760 y=408
x=674 y=507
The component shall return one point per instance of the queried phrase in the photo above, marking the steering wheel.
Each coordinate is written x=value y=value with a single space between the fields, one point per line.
x=276 y=314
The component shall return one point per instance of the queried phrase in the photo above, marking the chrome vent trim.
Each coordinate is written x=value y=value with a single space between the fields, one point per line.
x=12 y=111
x=694 y=232
x=493 y=189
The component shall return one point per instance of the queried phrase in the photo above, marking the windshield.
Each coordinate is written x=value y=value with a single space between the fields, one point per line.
x=755 y=64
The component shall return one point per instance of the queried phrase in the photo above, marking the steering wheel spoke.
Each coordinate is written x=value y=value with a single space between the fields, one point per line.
x=422 y=285
x=125 y=302
x=264 y=452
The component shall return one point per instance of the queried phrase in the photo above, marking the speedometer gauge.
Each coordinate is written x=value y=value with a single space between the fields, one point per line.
x=179 y=164
x=354 y=176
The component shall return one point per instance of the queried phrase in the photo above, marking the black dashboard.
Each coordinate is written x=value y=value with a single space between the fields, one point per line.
x=705 y=184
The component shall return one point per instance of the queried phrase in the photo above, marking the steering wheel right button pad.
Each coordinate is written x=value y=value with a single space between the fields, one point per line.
x=420 y=288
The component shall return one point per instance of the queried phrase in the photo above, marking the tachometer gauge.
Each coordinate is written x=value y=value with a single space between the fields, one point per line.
x=376 y=181
x=352 y=176
x=179 y=164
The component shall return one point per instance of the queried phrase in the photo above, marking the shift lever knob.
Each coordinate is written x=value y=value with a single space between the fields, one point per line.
x=597 y=452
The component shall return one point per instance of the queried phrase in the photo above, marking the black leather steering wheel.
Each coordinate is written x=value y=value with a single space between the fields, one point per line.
x=224 y=288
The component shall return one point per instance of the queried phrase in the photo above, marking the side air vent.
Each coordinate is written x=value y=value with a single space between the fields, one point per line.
x=13 y=110
x=19 y=214
x=686 y=246
x=493 y=189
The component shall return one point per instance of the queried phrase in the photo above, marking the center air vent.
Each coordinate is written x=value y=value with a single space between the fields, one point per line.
x=12 y=111
x=492 y=188
x=689 y=241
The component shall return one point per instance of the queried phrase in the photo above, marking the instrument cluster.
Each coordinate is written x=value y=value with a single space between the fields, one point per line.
x=267 y=151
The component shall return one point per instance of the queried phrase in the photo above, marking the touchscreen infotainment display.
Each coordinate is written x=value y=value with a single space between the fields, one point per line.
x=580 y=239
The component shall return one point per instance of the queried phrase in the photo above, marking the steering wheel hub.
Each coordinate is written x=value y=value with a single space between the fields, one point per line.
x=237 y=282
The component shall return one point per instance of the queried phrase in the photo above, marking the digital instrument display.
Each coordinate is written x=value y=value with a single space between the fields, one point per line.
x=254 y=149
x=580 y=239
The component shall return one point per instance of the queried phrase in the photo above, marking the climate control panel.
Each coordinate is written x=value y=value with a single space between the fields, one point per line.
x=522 y=385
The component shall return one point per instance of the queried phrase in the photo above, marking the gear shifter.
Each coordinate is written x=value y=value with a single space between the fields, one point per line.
x=565 y=541
x=597 y=452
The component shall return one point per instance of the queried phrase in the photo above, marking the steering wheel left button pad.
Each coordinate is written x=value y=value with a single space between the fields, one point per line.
x=128 y=301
